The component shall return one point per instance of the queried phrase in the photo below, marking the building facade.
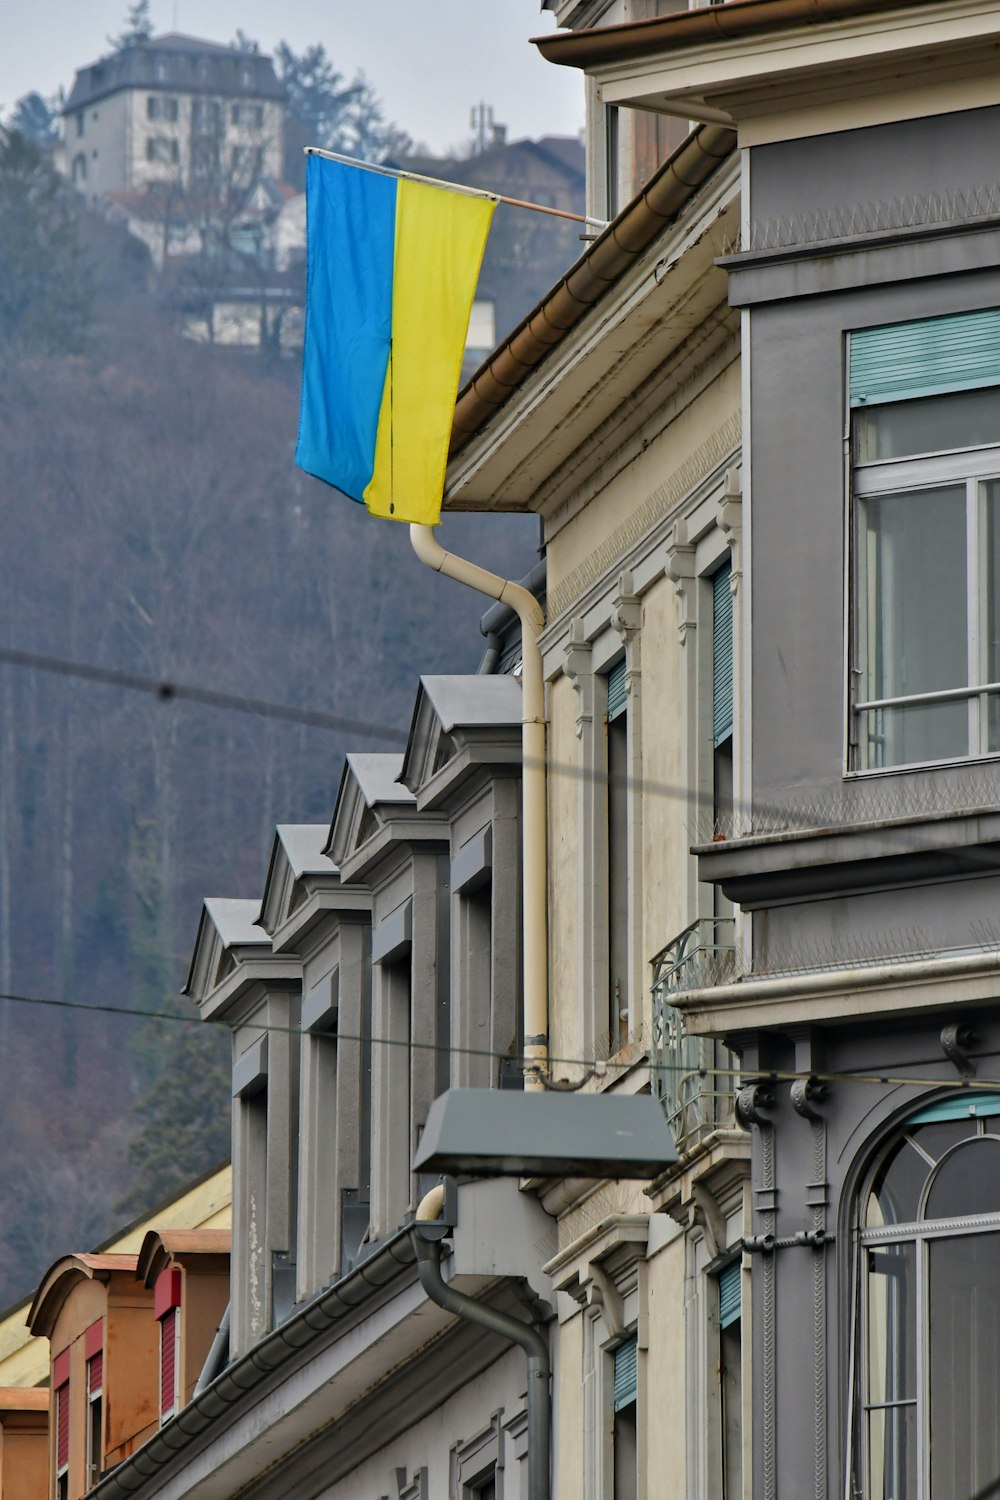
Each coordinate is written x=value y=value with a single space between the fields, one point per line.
x=758 y=418
x=173 y=113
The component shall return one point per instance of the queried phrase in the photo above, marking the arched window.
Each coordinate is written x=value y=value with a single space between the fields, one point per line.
x=927 y=1342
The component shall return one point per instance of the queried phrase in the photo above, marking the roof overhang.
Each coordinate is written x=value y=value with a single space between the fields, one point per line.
x=748 y=60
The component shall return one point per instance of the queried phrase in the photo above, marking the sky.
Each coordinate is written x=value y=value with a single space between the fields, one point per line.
x=430 y=61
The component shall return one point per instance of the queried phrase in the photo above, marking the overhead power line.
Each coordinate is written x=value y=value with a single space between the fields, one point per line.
x=599 y=1066
x=166 y=689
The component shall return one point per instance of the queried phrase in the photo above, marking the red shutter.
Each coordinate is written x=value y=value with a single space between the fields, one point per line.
x=62 y=1426
x=95 y=1373
x=168 y=1362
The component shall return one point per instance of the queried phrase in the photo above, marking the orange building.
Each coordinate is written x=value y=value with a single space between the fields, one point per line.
x=24 y=1443
x=187 y=1270
x=103 y=1341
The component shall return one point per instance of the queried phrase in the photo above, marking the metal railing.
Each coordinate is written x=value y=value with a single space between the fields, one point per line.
x=689 y=1074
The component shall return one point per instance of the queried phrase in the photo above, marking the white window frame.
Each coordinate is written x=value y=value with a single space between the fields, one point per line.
x=972 y=468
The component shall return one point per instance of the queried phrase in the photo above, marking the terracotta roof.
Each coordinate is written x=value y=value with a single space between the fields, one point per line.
x=598 y=268
x=59 y=1280
x=690 y=28
x=161 y=1246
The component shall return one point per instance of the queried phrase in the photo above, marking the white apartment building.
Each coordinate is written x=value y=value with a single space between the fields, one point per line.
x=173 y=112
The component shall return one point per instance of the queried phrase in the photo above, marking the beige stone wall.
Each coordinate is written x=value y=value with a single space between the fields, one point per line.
x=627 y=526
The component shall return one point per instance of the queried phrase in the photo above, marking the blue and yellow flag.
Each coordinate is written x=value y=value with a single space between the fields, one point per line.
x=391 y=273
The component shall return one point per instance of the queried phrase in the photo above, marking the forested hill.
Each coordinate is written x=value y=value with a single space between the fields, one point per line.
x=153 y=523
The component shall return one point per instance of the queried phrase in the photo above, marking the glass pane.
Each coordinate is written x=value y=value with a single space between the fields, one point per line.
x=964 y=1367
x=967 y=1181
x=891 y=1352
x=934 y=424
x=907 y=736
x=896 y=1190
x=892 y=1454
x=916 y=587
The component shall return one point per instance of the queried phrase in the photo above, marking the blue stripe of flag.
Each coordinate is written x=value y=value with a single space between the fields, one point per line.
x=350 y=247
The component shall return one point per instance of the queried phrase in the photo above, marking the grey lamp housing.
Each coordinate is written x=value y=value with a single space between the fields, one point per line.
x=506 y=1133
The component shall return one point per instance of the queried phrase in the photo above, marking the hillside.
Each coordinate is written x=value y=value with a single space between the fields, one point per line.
x=154 y=523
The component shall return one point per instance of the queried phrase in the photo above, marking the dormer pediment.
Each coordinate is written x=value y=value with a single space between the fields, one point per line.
x=296 y=854
x=458 y=722
x=369 y=790
x=60 y=1280
x=233 y=955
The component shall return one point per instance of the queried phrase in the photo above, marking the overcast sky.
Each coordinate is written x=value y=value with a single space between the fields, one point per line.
x=430 y=60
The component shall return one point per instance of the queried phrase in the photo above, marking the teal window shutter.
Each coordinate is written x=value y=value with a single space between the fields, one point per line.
x=617 y=700
x=722 y=655
x=902 y=361
x=625 y=1372
x=729 y=1294
x=960 y=1106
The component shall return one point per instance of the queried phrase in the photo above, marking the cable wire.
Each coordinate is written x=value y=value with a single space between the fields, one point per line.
x=599 y=1067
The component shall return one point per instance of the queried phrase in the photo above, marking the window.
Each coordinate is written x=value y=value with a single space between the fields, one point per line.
x=618 y=871
x=612 y=159
x=166 y=1305
x=247 y=114
x=94 y=1355
x=928 y=1308
x=625 y=1427
x=81 y=117
x=245 y=159
x=925 y=433
x=161 y=108
x=60 y=1375
x=159 y=148
x=206 y=115
x=731 y=1378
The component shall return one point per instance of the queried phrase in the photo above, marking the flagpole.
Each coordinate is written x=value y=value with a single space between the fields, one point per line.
x=455 y=187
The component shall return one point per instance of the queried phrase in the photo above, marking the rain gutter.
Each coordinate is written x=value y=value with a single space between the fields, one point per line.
x=277 y=1349
x=715 y=23
x=602 y=264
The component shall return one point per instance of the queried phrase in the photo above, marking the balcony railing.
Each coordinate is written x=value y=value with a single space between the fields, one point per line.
x=691 y=1074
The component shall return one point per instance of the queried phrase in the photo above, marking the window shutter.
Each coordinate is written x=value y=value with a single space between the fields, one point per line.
x=722 y=654
x=168 y=1362
x=961 y=1106
x=95 y=1374
x=729 y=1294
x=929 y=358
x=625 y=1373
x=62 y=1426
x=617 y=700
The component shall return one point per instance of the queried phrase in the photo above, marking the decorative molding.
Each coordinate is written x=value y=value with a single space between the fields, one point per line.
x=682 y=573
x=578 y=667
x=616 y=546
x=481 y=1457
x=730 y=512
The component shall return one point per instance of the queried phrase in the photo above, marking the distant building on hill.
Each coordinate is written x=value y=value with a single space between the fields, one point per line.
x=173 y=112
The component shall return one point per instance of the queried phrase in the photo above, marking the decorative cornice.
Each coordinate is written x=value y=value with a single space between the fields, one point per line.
x=616 y=546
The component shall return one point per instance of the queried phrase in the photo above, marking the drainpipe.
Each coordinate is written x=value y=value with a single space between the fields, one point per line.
x=534 y=857
x=426 y=1233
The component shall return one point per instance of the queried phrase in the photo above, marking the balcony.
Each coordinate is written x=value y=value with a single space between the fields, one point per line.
x=690 y=1075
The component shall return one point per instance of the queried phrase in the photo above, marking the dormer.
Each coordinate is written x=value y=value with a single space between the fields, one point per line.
x=308 y=908
x=380 y=839
x=237 y=979
x=187 y=1271
x=463 y=758
x=370 y=797
x=103 y=1359
x=303 y=884
x=460 y=723
x=24 y=1443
